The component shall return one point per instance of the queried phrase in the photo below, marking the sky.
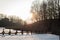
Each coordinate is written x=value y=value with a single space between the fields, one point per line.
x=15 y=7
x=20 y=8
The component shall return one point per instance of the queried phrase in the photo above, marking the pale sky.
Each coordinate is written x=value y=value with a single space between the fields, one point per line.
x=20 y=8
x=15 y=7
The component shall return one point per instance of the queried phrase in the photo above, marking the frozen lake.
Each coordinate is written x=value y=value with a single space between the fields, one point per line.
x=30 y=37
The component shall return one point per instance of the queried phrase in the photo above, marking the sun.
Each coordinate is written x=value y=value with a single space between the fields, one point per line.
x=25 y=16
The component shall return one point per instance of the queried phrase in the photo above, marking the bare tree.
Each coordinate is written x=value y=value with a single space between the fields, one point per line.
x=35 y=9
x=39 y=10
x=45 y=10
x=53 y=7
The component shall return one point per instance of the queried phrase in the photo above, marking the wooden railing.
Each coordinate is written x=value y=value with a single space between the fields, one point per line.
x=10 y=32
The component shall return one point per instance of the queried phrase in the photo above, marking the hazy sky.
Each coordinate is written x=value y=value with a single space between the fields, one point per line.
x=13 y=7
x=19 y=8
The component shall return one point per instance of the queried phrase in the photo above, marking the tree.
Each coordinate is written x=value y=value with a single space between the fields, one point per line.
x=49 y=12
x=45 y=10
x=4 y=22
x=59 y=8
x=35 y=9
x=53 y=9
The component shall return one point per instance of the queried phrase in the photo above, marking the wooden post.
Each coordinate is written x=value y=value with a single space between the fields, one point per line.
x=22 y=32
x=16 y=32
x=3 y=32
x=31 y=32
x=9 y=32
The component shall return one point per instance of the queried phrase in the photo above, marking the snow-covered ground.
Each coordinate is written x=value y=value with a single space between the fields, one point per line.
x=30 y=37
x=25 y=36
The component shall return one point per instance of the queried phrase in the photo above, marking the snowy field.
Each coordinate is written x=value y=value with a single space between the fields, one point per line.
x=30 y=37
x=25 y=36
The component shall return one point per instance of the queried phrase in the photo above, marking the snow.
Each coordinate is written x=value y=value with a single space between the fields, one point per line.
x=30 y=37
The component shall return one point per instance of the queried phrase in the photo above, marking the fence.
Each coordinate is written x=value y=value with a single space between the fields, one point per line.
x=16 y=32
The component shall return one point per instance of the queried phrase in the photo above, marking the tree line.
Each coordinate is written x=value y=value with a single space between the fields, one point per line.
x=11 y=22
x=46 y=16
